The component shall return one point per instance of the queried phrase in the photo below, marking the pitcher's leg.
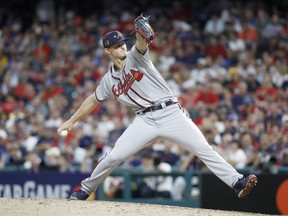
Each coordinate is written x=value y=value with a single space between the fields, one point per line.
x=136 y=136
x=189 y=136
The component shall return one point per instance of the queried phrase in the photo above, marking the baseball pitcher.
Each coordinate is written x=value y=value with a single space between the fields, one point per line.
x=133 y=80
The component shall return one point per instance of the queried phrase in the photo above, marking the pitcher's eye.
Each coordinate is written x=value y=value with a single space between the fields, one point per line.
x=118 y=45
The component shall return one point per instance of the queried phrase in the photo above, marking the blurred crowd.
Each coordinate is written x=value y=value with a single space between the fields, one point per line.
x=226 y=61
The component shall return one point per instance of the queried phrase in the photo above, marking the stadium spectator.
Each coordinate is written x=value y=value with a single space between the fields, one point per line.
x=237 y=156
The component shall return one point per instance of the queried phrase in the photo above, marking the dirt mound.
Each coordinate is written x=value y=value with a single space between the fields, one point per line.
x=56 y=207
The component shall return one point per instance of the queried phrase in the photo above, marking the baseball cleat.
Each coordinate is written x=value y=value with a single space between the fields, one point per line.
x=243 y=186
x=78 y=195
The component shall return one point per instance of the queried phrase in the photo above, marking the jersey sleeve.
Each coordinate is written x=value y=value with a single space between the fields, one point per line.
x=103 y=91
x=142 y=58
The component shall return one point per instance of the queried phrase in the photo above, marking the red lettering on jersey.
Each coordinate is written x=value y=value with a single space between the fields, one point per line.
x=128 y=80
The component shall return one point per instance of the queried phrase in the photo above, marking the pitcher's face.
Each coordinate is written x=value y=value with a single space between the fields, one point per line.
x=119 y=51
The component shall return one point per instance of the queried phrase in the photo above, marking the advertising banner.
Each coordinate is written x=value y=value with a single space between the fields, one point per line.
x=40 y=185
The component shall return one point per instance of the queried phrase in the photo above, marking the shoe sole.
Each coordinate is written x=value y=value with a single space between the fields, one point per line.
x=72 y=198
x=252 y=181
x=75 y=198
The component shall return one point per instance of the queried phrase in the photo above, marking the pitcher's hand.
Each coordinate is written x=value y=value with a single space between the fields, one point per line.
x=68 y=125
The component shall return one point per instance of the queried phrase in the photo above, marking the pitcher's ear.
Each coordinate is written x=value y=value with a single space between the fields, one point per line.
x=107 y=51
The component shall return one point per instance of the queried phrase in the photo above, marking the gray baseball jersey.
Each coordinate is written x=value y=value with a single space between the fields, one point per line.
x=139 y=84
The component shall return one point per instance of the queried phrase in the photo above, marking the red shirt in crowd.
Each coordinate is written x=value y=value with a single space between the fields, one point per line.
x=215 y=51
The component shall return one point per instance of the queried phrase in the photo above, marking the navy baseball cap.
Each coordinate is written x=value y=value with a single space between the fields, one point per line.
x=112 y=38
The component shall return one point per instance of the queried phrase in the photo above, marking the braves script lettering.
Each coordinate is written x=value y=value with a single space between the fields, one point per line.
x=128 y=80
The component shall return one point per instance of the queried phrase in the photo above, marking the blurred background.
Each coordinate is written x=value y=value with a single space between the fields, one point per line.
x=226 y=61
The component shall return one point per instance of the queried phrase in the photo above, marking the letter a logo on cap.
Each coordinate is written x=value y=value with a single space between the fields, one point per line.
x=119 y=35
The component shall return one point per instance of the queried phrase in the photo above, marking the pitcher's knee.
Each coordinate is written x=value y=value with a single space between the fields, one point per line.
x=113 y=160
